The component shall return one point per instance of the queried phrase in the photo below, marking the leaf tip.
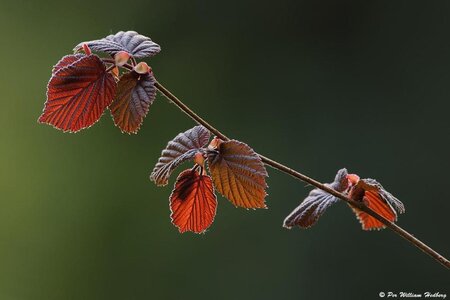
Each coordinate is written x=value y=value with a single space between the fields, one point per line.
x=287 y=226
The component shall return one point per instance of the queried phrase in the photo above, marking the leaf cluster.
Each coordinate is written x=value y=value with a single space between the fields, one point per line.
x=83 y=85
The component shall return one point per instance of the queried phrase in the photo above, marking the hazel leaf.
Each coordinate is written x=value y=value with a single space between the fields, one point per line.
x=193 y=202
x=238 y=173
x=137 y=45
x=78 y=93
x=182 y=148
x=376 y=198
x=135 y=93
x=373 y=185
x=317 y=202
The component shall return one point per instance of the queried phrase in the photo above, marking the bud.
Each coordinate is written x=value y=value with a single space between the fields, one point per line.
x=199 y=159
x=352 y=179
x=215 y=143
x=121 y=58
x=142 y=68
x=86 y=49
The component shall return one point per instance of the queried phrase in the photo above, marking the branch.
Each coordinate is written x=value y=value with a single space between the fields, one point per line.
x=280 y=167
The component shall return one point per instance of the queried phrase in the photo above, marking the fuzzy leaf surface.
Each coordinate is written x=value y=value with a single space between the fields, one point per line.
x=135 y=93
x=182 y=148
x=135 y=44
x=317 y=202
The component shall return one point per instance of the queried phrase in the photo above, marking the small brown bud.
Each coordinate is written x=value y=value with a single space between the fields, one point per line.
x=142 y=68
x=121 y=58
x=199 y=159
x=215 y=143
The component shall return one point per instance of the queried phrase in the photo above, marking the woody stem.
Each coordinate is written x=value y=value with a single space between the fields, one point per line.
x=280 y=167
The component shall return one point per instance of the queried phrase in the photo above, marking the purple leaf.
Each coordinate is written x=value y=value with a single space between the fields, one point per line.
x=182 y=148
x=309 y=211
x=135 y=44
x=135 y=94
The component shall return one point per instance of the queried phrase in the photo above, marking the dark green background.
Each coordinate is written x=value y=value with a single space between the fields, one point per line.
x=318 y=85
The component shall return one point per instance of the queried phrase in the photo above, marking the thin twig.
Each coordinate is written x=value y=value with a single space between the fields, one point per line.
x=278 y=166
x=110 y=68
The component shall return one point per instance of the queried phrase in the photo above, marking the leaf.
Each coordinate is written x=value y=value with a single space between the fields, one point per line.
x=135 y=94
x=182 y=148
x=378 y=199
x=136 y=45
x=310 y=210
x=374 y=202
x=193 y=202
x=238 y=174
x=385 y=195
x=78 y=93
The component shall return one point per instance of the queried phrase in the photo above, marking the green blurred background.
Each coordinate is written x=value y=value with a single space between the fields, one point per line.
x=318 y=85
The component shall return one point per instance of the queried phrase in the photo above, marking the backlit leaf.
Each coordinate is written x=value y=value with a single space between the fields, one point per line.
x=135 y=44
x=135 y=94
x=238 y=174
x=182 y=148
x=385 y=195
x=193 y=202
x=374 y=202
x=378 y=199
x=309 y=211
x=78 y=93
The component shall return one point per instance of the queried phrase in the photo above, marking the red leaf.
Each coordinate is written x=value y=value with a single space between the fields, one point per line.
x=135 y=94
x=376 y=198
x=78 y=93
x=238 y=174
x=192 y=202
x=374 y=202
x=182 y=148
